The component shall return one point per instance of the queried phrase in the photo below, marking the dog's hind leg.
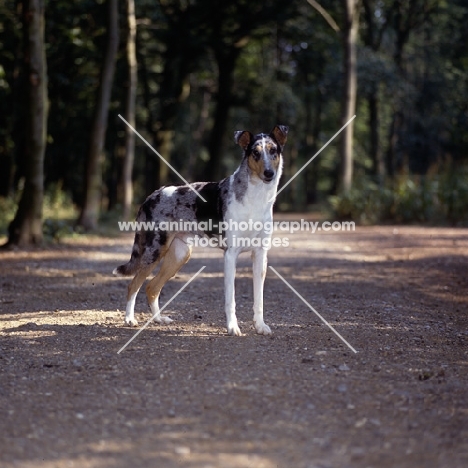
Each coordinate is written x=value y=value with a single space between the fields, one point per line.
x=133 y=289
x=259 y=266
x=175 y=257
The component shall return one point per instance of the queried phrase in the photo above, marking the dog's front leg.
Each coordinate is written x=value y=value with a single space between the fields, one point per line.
x=259 y=257
x=230 y=259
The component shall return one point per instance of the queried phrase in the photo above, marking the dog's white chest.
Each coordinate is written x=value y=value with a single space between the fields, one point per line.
x=255 y=204
x=247 y=217
x=247 y=210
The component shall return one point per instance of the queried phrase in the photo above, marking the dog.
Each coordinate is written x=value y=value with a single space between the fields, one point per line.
x=247 y=195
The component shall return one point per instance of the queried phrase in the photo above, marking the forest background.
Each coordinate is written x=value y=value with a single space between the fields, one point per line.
x=188 y=73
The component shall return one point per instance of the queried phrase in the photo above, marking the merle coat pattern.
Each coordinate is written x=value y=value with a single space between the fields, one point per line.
x=248 y=194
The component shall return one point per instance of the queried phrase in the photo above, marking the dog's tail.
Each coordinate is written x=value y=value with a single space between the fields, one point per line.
x=129 y=268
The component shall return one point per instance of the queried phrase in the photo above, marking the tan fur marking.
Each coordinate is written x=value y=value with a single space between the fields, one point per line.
x=171 y=264
x=145 y=271
x=243 y=139
x=139 y=279
x=257 y=167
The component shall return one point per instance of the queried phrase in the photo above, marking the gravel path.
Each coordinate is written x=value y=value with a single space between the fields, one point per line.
x=187 y=395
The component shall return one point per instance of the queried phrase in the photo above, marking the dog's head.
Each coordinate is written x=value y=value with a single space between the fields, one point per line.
x=263 y=152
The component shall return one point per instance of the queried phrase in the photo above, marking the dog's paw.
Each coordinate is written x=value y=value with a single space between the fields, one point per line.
x=131 y=322
x=263 y=329
x=234 y=330
x=163 y=320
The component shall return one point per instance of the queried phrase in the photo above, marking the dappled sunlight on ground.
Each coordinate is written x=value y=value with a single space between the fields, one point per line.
x=188 y=395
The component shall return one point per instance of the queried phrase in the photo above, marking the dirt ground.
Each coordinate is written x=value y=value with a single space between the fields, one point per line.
x=187 y=395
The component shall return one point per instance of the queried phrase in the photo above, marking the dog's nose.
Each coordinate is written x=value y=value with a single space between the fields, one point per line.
x=268 y=173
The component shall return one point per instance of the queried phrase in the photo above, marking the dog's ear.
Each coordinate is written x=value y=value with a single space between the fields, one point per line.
x=243 y=138
x=280 y=134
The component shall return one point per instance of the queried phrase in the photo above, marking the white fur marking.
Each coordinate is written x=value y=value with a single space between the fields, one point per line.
x=130 y=311
x=157 y=317
x=230 y=259
x=168 y=191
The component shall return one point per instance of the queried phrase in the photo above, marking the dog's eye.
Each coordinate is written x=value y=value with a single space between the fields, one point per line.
x=272 y=151
x=256 y=153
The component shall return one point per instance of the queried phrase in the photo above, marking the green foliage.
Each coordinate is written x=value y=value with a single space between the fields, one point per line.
x=415 y=199
x=7 y=212
x=288 y=70
x=58 y=203
x=56 y=229
x=453 y=196
x=439 y=198
x=365 y=203
x=59 y=213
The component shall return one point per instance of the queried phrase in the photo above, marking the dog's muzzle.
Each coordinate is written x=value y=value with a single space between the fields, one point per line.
x=268 y=175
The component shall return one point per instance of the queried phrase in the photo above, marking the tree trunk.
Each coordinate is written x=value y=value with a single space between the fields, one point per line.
x=6 y=170
x=26 y=227
x=349 y=93
x=164 y=145
x=395 y=128
x=402 y=27
x=372 y=37
x=150 y=158
x=226 y=66
x=127 y=170
x=311 y=145
x=198 y=133
x=378 y=168
x=93 y=178
x=174 y=90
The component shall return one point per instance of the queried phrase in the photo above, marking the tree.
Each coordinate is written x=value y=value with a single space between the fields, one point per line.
x=207 y=68
x=230 y=27
x=372 y=38
x=348 y=109
x=93 y=178
x=405 y=16
x=226 y=57
x=26 y=227
x=127 y=184
x=11 y=87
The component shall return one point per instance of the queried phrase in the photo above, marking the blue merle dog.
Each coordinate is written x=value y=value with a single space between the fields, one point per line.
x=246 y=195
